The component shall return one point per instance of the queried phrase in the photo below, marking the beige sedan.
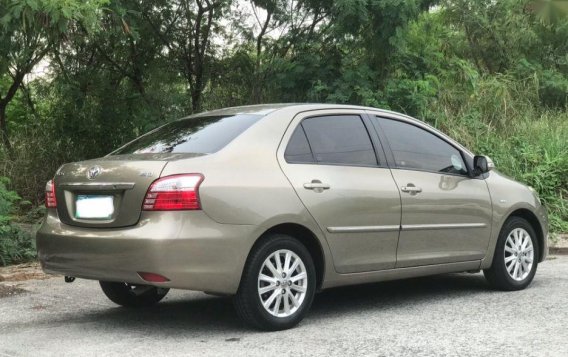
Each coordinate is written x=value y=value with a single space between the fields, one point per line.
x=273 y=203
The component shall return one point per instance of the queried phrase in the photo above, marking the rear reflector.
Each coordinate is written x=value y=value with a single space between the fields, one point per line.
x=153 y=277
x=174 y=193
x=50 y=200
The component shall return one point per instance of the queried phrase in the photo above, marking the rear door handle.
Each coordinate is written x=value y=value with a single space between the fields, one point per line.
x=410 y=188
x=317 y=186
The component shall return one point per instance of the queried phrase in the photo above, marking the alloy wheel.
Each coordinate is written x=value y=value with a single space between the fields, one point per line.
x=282 y=283
x=518 y=254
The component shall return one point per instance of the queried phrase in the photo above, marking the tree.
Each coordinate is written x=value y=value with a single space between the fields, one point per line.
x=186 y=29
x=549 y=11
x=28 y=31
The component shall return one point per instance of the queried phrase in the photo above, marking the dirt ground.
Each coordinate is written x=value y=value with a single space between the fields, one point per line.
x=22 y=272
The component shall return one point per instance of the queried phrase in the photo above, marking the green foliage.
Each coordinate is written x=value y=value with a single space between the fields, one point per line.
x=526 y=143
x=550 y=11
x=16 y=245
x=29 y=28
x=553 y=89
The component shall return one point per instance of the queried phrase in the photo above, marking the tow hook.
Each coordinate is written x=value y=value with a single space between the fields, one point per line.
x=69 y=279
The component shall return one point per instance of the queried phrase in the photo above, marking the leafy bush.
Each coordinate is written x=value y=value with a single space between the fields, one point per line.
x=554 y=89
x=16 y=245
x=526 y=142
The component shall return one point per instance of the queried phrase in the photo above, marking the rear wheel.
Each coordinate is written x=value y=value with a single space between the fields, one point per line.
x=132 y=295
x=516 y=256
x=278 y=284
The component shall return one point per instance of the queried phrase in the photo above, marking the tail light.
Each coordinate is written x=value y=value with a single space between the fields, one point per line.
x=50 y=200
x=174 y=193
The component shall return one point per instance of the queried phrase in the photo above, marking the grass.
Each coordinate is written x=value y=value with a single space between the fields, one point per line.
x=527 y=142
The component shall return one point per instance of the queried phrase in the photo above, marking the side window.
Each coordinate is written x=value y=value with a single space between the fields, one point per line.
x=341 y=139
x=416 y=148
x=298 y=150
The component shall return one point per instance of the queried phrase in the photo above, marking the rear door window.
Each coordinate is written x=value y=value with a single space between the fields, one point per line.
x=336 y=140
x=204 y=135
x=298 y=150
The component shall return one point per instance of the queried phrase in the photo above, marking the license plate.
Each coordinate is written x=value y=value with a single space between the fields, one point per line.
x=94 y=206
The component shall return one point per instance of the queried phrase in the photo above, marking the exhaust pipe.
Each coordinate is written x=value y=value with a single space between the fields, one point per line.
x=69 y=279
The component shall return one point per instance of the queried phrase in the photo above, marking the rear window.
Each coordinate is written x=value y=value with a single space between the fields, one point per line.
x=340 y=140
x=204 y=135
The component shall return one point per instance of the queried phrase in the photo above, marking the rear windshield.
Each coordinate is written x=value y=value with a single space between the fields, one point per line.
x=204 y=135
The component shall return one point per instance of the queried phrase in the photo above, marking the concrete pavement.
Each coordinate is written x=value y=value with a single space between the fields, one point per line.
x=447 y=315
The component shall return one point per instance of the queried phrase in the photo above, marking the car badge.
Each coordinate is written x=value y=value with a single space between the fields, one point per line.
x=94 y=172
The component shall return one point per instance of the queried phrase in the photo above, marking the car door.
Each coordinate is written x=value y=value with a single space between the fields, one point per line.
x=446 y=213
x=339 y=172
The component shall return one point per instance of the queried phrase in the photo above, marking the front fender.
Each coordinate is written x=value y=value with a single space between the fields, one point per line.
x=513 y=198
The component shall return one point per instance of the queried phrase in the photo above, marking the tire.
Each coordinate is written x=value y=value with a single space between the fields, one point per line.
x=517 y=273
x=130 y=295
x=288 y=296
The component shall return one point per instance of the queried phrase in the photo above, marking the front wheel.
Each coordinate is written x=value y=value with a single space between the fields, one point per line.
x=131 y=295
x=278 y=284
x=516 y=256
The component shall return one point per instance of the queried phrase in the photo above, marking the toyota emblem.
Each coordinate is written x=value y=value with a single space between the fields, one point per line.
x=94 y=172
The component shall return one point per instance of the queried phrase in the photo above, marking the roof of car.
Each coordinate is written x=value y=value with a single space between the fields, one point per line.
x=264 y=109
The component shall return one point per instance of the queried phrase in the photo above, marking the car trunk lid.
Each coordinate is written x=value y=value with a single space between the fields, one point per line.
x=108 y=192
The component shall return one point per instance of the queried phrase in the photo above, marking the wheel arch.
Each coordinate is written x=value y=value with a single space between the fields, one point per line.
x=306 y=237
x=530 y=217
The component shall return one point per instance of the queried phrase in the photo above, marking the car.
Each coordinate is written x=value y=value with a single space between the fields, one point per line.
x=270 y=204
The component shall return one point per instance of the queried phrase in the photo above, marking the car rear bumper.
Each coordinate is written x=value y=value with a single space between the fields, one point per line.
x=189 y=248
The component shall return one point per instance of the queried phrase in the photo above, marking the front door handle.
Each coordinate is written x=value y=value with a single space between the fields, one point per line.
x=317 y=186
x=410 y=188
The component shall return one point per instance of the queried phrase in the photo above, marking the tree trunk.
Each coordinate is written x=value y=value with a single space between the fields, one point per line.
x=259 y=81
x=18 y=79
x=196 y=100
x=4 y=131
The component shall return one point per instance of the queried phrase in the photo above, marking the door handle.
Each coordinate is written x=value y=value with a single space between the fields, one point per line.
x=317 y=186
x=410 y=188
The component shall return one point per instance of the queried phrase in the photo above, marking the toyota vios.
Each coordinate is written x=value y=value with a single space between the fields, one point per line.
x=273 y=203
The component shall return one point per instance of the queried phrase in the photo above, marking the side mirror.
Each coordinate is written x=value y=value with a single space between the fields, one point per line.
x=482 y=164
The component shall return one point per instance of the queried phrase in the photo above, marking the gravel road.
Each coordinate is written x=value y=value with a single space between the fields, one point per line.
x=446 y=315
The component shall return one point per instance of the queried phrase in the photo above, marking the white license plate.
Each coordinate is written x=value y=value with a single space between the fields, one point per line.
x=94 y=206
